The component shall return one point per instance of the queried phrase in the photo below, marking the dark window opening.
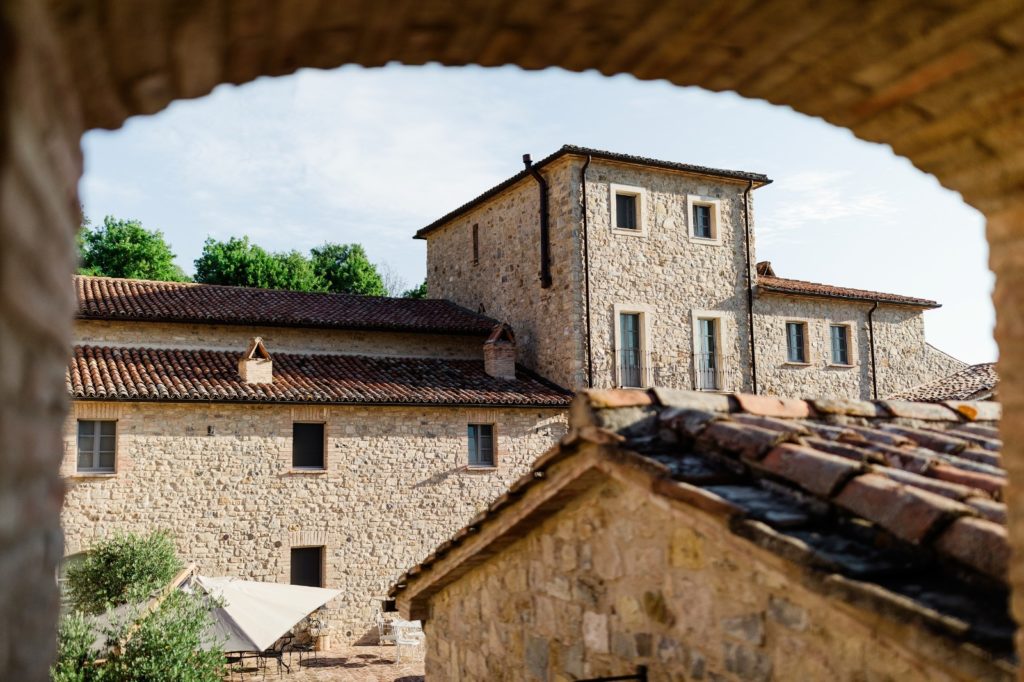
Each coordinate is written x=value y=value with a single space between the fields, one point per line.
x=702 y=222
x=307 y=566
x=796 y=350
x=630 y=351
x=481 y=445
x=625 y=211
x=308 y=446
x=476 y=244
x=97 y=441
x=840 y=345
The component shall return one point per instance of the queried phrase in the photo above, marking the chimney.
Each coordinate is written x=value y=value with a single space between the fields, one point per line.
x=500 y=353
x=256 y=367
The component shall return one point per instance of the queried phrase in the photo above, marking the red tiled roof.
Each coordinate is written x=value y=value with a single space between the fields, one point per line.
x=796 y=287
x=107 y=298
x=903 y=498
x=977 y=382
x=146 y=374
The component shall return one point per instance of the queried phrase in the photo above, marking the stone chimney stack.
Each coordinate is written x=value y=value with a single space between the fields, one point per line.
x=256 y=367
x=500 y=353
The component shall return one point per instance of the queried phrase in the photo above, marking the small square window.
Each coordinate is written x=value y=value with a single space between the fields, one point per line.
x=308 y=446
x=796 y=342
x=97 y=444
x=702 y=221
x=625 y=211
x=307 y=566
x=481 y=445
x=840 y=335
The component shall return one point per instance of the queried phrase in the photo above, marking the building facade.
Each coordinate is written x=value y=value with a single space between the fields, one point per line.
x=336 y=450
x=641 y=272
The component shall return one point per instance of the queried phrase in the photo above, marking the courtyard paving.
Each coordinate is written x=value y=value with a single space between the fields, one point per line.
x=346 y=664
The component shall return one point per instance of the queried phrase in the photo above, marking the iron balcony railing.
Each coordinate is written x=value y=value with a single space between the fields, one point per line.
x=707 y=372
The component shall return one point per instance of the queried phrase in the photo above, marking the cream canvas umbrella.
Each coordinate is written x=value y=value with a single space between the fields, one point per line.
x=254 y=615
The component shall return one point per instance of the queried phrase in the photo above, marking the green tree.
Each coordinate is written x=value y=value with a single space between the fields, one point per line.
x=124 y=248
x=122 y=569
x=345 y=269
x=239 y=262
x=416 y=292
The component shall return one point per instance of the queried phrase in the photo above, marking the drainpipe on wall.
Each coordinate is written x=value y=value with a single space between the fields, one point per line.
x=750 y=286
x=871 y=338
x=545 y=236
x=586 y=276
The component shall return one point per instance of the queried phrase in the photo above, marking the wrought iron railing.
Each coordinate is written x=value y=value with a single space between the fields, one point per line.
x=630 y=367
x=708 y=372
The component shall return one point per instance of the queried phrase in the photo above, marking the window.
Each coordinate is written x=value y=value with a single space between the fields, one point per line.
x=840 y=335
x=625 y=211
x=796 y=342
x=308 y=446
x=630 y=351
x=481 y=445
x=307 y=566
x=702 y=221
x=707 y=362
x=476 y=243
x=97 y=441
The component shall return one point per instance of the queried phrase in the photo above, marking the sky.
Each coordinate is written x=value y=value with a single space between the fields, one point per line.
x=371 y=155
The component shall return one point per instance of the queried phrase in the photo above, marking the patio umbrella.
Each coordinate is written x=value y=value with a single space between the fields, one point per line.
x=254 y=614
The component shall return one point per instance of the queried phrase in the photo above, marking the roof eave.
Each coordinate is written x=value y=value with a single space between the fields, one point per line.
x=921 y=304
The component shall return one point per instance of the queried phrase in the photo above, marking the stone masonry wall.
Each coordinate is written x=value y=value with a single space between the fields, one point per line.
x=277 y=339
x=902 y=356
x=663 y=273
x=506 y=281
x=395 y=487
x=620 y=577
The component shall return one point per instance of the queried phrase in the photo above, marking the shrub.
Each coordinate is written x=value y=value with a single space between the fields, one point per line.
x=123 y=569
x=74 y=651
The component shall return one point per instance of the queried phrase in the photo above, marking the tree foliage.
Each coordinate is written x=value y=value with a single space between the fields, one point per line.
x=124 y=248
x=166 y=644
x=346 y=270
x=122 y=569
x=416 y=292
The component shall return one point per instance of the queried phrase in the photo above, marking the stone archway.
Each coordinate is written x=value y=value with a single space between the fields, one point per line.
x=939 y=81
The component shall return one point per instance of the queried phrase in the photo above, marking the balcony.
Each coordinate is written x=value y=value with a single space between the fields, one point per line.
x=633 y=369
x=708 y=372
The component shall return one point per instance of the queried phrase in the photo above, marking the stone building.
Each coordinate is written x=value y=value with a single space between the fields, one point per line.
x=712 y=537
x=314 y=438
x=617 y=270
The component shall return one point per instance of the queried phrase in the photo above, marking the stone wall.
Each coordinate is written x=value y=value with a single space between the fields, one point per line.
x=219 y=477
x=620 y=577
x=664 y=273
x=276 y=339
x=903 y=358
x=506 y=279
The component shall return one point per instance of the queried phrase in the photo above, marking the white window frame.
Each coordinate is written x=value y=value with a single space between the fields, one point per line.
x=808 y=357
x=850 y=345
x=645 y=312
x=716 y=219
x=641 y=209
x=94 y=471
x=723 y=322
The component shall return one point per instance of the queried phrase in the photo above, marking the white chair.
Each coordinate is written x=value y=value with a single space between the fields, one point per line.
x=409 y=635
x=385 y=631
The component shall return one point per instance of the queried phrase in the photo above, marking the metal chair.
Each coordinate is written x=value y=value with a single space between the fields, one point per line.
x=408 y=635
x=314 y=629
x=276 y=652
x=385 y=633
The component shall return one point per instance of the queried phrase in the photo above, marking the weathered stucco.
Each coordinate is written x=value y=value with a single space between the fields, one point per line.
x=219 y=477
x=620 y=577
x=276 y=339
x=903 y=359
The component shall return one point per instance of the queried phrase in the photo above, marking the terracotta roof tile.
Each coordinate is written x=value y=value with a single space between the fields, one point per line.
x=979 y=543
x=796 y=287
x=977 y=382
x=107 y=298
x=106 y=373
x=814 y=471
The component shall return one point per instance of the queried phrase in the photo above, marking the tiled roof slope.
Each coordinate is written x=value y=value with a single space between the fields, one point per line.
x=759 y=179
x=107 y=298
x=977 y=382
x=796 y=287
x=144 y=374
x=895 y=506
